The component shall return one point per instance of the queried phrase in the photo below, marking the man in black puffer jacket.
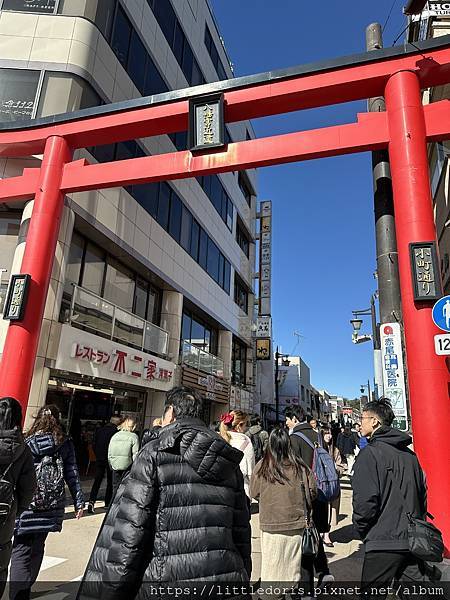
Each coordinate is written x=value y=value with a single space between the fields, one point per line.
x=180 y=515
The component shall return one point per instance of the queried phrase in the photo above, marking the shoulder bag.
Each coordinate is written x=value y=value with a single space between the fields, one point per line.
x=310 y=538
x=424 y=539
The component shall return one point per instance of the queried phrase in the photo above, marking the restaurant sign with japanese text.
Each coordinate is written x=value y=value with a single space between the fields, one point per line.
x=87 y=354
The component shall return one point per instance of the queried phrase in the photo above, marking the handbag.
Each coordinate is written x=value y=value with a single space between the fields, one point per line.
x=424 y=539
x=310 y=538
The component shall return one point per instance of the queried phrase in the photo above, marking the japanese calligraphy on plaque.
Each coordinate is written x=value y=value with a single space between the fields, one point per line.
x=425 y=271
x=206 y=122
x=16 y=298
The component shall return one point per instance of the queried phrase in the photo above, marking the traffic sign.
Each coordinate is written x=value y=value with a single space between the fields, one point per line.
x=442 y=344
x=441 y=313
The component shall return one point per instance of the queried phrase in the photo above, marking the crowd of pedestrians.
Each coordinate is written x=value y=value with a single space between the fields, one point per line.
x=180 y=507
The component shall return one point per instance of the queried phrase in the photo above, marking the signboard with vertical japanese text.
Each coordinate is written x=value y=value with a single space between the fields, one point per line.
x=206 y=122
x=425 y=271
x=393 y=369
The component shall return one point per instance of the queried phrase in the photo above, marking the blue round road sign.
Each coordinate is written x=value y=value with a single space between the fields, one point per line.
x=441 y=313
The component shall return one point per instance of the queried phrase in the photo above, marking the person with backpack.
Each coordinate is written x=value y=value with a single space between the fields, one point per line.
x=122 y=451
x=389 y=494
x=340 y=466
x=233 y=426
x=258 y=436
x=282 y=480
x=55 y=465
x=17 y=478
x=304 y=442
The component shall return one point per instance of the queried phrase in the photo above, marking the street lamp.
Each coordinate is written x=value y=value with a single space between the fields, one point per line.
x=363 y=387
x=286 y=363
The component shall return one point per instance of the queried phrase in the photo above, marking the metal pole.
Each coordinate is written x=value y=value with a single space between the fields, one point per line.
x=386 y=241
x=427 y=372
x=277 y=391
x=369 y=395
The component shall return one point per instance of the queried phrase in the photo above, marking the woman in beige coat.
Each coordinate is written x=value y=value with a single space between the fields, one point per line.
x=285 y=488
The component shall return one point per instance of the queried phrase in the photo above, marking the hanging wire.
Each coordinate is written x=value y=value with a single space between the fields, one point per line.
x=389 y=15
x=401 y=33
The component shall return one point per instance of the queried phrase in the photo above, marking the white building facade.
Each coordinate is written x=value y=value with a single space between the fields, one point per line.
x=152 y=285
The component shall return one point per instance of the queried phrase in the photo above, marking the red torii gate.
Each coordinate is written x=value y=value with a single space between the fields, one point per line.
x=399 y=74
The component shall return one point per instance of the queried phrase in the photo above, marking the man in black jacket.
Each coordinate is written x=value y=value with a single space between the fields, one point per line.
x=180 y=514
x=387 y=484
x=103 y=436
x=300 y=429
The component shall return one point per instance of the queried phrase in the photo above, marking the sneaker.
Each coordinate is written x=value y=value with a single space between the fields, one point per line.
x=90 y=508
x=325 y=578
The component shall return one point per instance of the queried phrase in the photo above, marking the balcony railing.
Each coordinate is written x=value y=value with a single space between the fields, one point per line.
x=200 y=360
x=85 y=310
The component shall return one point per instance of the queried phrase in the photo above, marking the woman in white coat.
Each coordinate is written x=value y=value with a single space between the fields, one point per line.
x=233 y=426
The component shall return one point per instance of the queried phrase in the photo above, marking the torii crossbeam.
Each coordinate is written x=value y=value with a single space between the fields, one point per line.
x=399 y=74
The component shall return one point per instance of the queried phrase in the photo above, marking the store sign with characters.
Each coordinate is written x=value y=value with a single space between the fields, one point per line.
x=86 y=354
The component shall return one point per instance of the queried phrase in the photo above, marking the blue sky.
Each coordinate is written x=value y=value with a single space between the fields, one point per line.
x=324 y=241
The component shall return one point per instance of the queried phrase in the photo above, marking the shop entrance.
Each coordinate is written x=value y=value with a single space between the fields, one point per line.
x=84 y=410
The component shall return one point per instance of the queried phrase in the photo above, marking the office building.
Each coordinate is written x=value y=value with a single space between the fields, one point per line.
x=152 y=285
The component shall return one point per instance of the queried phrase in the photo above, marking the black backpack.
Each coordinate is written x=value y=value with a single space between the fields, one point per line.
x=7 y=495
x=257 y=446
x=50 y=490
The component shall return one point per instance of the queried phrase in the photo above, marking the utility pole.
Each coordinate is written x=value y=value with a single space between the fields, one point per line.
x=277 y=390
x=386 y=240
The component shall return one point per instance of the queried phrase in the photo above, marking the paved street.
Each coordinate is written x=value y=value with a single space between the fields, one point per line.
x=67 y=553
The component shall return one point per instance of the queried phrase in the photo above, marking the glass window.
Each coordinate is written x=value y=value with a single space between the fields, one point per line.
x=216 y=193
x=119 y=285
x=105 y=15
x=179 y=42
x=75 y=259
x=242 y=239
x=195 y=234
x=18 y=89
x=186 y=227
x=214 y=56
x=221 y=71
x=153 y=306
x=188 y=59
x=203 y=249
x=94 y=269
x=175 y=217
x=147 y=196
x=120 y=41
x=125 y=150
x=140 y=298
x=223 y=207
x=227 y=277
x=208 y=39
x=65 y=92
x=197 y=75
x=186 y=327
x=137 y=61
x=38 y=6
x=240 y=294
x=221 y=269
x=154 y=83
x=238 y=362
x=230 y=215
x=104 y=153
x=165 y=15
x=163 y=205
x=197 y=334
x=213 y=260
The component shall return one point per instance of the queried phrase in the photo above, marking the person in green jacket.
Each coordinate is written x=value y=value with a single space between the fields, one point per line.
x=122 y=450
